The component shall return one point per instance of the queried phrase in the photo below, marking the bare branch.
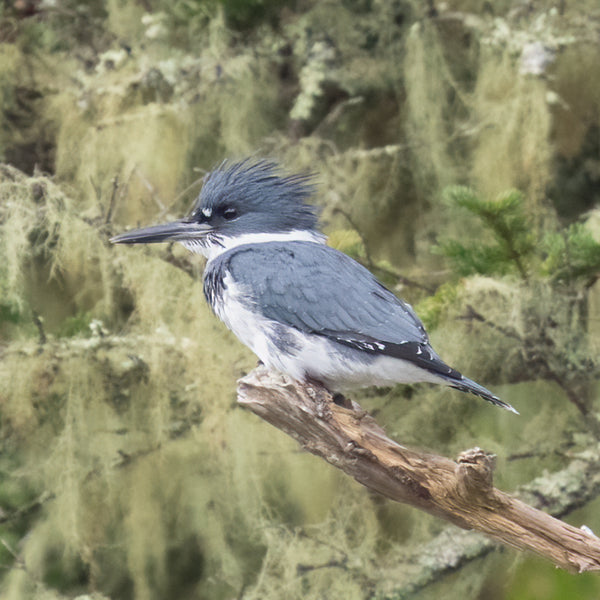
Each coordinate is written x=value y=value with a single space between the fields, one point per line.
x=28 y=509
x=459 y=491
x=558 y=493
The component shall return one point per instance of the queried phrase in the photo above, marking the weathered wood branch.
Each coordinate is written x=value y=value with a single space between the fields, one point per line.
x=460 y=491
x=559 y=493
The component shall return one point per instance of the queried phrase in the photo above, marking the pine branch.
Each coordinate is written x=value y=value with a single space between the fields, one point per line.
x=461 y=492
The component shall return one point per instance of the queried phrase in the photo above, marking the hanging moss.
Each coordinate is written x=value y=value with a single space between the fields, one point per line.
x=512 y=147
x=429 y=88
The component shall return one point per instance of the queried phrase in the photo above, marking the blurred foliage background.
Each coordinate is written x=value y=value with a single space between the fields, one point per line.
x=456 y=147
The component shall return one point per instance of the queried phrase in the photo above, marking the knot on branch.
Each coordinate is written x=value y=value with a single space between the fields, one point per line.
x=475 y=476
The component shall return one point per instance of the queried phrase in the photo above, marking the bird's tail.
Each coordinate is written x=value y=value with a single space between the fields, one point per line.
x=464 y=384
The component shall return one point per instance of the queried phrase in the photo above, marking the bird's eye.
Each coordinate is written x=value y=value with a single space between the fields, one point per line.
x=230 y=213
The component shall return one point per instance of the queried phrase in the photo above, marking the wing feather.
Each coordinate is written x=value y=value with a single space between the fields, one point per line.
x=319 y=290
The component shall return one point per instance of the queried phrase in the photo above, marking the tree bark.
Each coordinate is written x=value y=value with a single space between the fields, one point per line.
x=460 y=491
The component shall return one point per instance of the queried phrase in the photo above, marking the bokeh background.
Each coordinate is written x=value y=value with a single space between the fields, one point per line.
x=456 y=149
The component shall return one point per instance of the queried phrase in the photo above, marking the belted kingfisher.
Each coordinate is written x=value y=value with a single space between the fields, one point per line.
x=304 y=308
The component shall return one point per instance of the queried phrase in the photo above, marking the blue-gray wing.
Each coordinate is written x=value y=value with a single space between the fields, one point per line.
x=322 y=291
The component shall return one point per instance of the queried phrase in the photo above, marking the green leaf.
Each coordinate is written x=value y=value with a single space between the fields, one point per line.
x=571 y=254
x=432 y=309
x=505 y=219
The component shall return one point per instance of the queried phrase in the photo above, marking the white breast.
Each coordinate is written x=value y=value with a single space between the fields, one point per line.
x=251 y=328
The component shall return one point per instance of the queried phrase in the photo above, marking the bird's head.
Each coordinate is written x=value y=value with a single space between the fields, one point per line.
x=239 y=203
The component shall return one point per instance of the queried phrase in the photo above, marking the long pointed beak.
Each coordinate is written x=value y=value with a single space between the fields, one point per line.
x=178 y=231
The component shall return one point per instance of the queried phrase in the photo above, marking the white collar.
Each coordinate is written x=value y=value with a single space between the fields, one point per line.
x=214 y=245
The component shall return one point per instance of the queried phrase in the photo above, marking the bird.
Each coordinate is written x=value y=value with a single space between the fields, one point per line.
x=304 y=308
